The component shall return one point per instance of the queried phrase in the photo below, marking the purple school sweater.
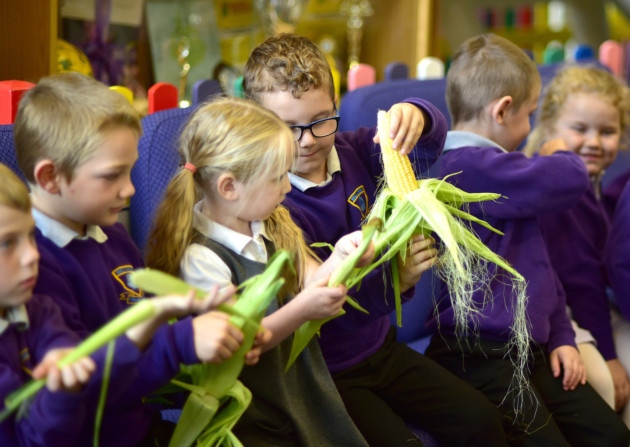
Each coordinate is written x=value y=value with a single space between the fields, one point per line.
x=88 y=280
x=326 y=213
x=576 y=240
x=532 y=187
x=617 y=255
x=59 y=419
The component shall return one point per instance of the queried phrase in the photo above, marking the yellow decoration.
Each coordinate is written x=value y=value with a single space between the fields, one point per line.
x=71 y=58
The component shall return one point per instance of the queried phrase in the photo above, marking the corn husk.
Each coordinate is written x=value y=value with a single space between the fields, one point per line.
x=305 y=333
x=437 y=207
x=217 y=398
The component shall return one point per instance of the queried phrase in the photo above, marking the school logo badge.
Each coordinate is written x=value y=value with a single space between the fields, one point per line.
x=359 y=200
x=25 y=360
x=130 y=293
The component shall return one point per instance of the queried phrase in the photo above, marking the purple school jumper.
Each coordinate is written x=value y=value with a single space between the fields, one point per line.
x=531 y=187
x=618 y=253
x=326 y=213
x=88 y=281
x=576 y=240
x=58 y=419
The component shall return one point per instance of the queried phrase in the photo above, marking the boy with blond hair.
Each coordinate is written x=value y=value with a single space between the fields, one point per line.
x=492 y=89
x=335 y=179
x=76 y=143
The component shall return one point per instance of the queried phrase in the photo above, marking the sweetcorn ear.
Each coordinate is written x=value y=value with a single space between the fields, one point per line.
x=408 y=206
x=399 y=174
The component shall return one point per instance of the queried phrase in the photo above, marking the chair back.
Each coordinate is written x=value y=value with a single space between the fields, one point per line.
x=359 y=107
x=10 y=94
x=7 y=149
x=157 y=161
x=204 y=89
x=162 y=96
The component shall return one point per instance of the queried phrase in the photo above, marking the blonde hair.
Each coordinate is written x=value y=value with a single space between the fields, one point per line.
x=286 y=62
x=63 y=118
x=572 y=80
x=13 y=192
x=225 y=135
x=484 y=68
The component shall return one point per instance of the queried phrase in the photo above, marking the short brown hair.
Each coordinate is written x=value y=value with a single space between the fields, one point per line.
x=484 y=68
x=63 y=119
x=286 y=62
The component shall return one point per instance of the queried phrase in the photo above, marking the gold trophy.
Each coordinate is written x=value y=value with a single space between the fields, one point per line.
x=355 y=10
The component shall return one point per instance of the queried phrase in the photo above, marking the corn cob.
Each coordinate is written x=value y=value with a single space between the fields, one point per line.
x=399 y=174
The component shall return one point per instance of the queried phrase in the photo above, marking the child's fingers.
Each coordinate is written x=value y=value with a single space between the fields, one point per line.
x=551 y=146
x=554 y=363
x=224 y=294
x=53 y=379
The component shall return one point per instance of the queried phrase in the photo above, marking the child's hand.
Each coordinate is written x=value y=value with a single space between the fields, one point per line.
x=551 y=146
x=319 y=301
x=421 y=256
x=567 y=358
x=174 y=306
x=348 y=243
x=70 y=378
x=621 y=381
x=262 y=338
x=215 y=338
x=406 y=126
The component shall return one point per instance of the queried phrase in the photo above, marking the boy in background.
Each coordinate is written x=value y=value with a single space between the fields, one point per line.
x=492 y=89
x=383 y=382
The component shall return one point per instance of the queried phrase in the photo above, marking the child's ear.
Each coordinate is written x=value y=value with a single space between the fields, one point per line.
x=227 y=187
x=46 y=176
x=501 y=108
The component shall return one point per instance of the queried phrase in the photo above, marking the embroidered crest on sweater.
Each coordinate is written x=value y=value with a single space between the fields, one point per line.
x=130 y=294
x=359 y=200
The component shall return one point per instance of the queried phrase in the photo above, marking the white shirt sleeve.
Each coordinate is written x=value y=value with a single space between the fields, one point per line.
x=203 y=268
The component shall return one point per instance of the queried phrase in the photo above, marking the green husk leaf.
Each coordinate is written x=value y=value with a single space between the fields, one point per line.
x=136 y=314
x=463 y=260
x=305 y=333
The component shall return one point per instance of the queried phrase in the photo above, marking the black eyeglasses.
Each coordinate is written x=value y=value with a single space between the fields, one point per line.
x=320 y=128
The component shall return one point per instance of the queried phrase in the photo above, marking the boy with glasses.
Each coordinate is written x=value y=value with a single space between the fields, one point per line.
x=335 y=180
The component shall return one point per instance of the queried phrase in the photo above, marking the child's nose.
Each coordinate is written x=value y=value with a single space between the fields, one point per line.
x=30 y=255
x=307 y=137
x=128 y=190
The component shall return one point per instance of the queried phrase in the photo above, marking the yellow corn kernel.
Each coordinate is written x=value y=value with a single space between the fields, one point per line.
x=399 y=174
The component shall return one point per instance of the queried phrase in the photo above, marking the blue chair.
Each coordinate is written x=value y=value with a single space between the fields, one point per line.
x=7 y=150
x=157 y=161
x=204 y=89
x=359 y=107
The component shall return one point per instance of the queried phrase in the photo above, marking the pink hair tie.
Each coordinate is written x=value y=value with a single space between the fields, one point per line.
x=191 y=167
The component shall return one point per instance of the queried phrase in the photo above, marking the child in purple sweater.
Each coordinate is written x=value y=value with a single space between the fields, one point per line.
x=588 y=108
x=492 y=89
x=76 y=143
x=34 y=338
x=334 y=182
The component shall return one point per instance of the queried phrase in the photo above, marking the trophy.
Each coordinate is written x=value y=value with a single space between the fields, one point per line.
x=355 y=10
x=280 y=16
